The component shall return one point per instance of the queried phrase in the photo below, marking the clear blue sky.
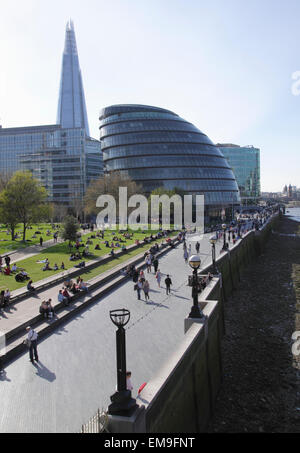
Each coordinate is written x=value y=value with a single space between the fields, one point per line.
x=225 y=66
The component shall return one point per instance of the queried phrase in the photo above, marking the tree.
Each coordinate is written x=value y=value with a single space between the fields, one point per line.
x=27 y=198
x=8 y=212
x=109 y=185
x=70 y=229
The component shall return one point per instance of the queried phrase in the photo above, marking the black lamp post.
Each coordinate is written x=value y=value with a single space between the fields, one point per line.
x=224 y=226
x=213 y=240
x=122 y=402
x=195 y=262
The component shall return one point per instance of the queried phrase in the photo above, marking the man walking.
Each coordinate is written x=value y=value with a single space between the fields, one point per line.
x=168 y=283
x=32 y=344
x=197 y=247
x=155 y=264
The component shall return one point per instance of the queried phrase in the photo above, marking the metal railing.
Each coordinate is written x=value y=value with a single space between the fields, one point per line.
x=97 y=424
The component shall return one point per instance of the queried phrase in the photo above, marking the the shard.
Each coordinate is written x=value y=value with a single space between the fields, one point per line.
x=71 y=105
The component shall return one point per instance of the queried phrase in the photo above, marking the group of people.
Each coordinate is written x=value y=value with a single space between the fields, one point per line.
x=72 y=287
x=46 y=308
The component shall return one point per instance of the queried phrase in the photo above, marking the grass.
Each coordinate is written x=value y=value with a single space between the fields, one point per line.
x=7 y=245
x=61 y=253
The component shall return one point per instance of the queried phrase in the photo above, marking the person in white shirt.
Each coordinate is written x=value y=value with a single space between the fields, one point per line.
x=129 y=385
x=32 y=339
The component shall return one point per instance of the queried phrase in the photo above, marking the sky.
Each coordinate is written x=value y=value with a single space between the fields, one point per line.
x=225 y=66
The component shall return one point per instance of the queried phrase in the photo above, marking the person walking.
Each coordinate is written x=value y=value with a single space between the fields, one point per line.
x=139 y=287
x=155 y=264
x=32 y=337
x=158 y=277
x=41 y=241
x=185 y=255
x=168 y=283
x=7 y=261
x=146 y=289
x=197 y=247
x=190 y=249
x=148 y=263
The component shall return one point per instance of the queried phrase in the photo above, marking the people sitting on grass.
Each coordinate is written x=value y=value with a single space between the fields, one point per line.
x=47 y=267
x=80 y=265
x=7 y=270
x=55 y=268
x=97 y=247
x=112 y=253
x=30 y=287
x=62 y=265
x=14 y=268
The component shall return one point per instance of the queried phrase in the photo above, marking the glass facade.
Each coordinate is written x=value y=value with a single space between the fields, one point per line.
x=64 y=160
x=245 y=164
x=157 y=148
x=63 y=156
x=71 y=111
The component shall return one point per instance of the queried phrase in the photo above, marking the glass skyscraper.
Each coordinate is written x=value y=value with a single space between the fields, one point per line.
x=63 y=156
x=157 y=148
x=245 y=164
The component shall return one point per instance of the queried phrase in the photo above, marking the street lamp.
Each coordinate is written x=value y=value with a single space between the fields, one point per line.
x=195 y=263
x=224 y=226
x=122 y=403
x=213 y=240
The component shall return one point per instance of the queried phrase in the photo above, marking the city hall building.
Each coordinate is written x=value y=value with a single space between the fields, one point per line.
x=157 y=148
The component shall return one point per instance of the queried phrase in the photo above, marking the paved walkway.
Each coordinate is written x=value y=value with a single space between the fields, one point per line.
x=77 y=370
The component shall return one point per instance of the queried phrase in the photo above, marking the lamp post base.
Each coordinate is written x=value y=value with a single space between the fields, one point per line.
x=122 y=404
x=196 y=313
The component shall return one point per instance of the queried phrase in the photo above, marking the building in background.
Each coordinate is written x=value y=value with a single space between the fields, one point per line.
x=157 y=148
x=245 y=164
x=63 y=156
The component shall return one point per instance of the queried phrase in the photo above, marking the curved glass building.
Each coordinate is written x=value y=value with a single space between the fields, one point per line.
x=157 y=148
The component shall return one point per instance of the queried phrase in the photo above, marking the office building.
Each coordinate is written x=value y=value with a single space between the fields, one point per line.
x=157 y=148
x=245 y=164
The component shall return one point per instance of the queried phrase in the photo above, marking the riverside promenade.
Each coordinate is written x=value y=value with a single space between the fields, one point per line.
x=77 y=370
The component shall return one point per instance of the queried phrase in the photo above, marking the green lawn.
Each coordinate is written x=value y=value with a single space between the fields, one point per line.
x=61 y=253
x=7 y=245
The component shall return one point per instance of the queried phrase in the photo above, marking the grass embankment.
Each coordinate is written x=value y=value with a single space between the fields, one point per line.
x=61 y=253
x=7 y=245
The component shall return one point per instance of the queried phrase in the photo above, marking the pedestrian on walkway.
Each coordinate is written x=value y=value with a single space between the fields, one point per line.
x=197 y=247
x=190 y=249
x=31 y=340
x=185 y=255
x=155 y=264
x=148 y=263
x=41 y=241
x=158 y=277
x=7 y=261
x=168 y=283
x=146 y=289
x=139 y=287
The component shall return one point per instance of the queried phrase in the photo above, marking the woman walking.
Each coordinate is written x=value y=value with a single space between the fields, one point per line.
x=158 y=277
x=146 y=289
